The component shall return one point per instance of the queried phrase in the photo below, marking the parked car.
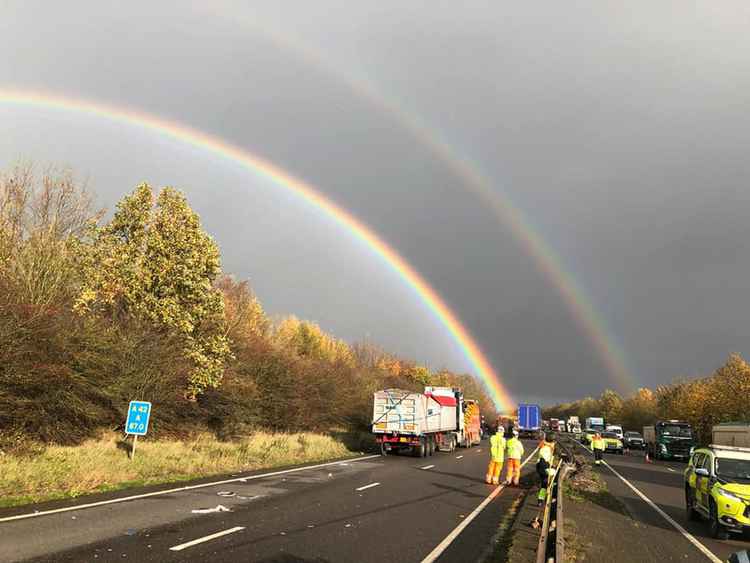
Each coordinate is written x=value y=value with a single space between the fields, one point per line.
x=633 y=441
x=612 y=443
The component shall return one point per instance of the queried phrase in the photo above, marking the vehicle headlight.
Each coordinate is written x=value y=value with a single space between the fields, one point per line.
x=663 y=447
x=725 y=493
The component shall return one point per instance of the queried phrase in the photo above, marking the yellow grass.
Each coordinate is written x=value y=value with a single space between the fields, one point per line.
x=103 y=464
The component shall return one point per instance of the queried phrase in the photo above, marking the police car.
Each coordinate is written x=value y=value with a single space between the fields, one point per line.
x=717 y=488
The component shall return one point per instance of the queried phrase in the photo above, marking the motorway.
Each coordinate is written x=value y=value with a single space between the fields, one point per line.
x=662 y=482
x=374 y=508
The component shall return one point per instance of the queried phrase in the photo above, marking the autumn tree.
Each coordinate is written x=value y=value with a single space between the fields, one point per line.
x=610 y=404
x=639 y=409
x=41 y=214
x=245 y=317
x=306 y=339
x=153 y=261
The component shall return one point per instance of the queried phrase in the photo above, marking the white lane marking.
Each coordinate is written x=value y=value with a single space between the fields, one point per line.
x=176 y=490
x=206 y=538
x=427 y=467
x=672 y=470
x=459 y=456
x=367 y=486
x=443 y=545
x=479 y=451
x=690 y=537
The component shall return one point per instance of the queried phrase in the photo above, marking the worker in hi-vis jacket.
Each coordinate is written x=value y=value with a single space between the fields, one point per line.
x=497 y=456
x=513 y=453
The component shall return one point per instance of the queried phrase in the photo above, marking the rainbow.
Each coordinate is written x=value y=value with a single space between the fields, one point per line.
x=546 y=259
x=265 y=169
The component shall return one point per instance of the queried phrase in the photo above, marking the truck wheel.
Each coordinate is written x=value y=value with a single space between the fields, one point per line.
x=383 y=451
x=718 y=530
x=420 y=450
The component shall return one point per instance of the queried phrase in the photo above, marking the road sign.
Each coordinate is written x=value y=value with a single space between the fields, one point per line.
x=138 y=414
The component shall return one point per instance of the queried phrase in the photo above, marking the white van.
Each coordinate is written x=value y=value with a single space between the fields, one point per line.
x=615 y=430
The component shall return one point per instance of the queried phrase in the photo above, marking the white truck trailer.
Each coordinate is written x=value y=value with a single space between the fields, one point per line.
x=421 y=422
x=731 y=434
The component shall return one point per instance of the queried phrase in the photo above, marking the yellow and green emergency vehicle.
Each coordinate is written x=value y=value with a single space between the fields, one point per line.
x=612 y=443
x=717 y=488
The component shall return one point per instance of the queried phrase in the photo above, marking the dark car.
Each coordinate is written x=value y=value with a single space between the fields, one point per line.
x=633 y=441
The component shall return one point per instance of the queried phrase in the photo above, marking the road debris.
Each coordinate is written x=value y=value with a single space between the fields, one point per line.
x=218 y=508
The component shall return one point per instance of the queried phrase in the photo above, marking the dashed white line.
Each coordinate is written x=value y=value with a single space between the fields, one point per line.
x=427 y=467
x=443 y=545
x=206 y=538
x=178 y=489
x=672 y=470
x=371 y=485
x=459 y=456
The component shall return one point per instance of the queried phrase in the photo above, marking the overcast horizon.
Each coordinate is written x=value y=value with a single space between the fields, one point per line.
x=619 y=131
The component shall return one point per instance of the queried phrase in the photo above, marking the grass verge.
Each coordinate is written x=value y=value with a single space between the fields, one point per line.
x=58 y=472
x=587 y=485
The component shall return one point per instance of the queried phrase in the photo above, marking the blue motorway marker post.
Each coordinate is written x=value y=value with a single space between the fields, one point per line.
x=136 y=424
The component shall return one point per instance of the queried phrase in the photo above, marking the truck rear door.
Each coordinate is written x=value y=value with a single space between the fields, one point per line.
x=395 y=413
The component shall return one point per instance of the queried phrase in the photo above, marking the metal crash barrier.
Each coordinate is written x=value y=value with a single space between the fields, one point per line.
x=551 y=547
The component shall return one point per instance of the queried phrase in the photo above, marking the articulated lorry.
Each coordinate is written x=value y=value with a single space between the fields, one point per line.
x=529 y=420
x=421 y=423
x=669 y=439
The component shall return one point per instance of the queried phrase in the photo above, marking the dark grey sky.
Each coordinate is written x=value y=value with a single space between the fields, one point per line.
x=620 y=129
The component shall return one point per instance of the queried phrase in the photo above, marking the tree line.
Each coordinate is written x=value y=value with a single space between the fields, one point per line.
x=95 y=312
x=723 y=396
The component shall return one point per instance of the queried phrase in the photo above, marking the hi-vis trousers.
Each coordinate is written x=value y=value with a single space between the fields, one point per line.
x=494 y=469
x=514 y=471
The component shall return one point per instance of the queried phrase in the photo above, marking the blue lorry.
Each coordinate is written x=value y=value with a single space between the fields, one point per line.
x=529 y=420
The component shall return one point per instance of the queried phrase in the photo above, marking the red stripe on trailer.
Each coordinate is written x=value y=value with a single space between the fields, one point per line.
x=443 y=400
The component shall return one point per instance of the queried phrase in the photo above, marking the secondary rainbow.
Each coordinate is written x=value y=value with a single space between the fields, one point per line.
x=547 y=260
x=282 y=178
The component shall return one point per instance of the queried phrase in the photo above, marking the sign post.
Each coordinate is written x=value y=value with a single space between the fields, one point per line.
x=136 y=424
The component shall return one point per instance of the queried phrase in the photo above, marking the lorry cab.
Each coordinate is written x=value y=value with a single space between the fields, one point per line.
x=717 y=488
x=669 y=439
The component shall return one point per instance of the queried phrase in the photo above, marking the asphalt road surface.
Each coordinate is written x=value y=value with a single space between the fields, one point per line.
x=395 y=508
x=662 y=482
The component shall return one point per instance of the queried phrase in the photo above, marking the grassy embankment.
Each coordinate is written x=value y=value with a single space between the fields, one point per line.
x=57 y=472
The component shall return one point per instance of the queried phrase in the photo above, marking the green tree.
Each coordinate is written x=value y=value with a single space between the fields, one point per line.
x=153 y=261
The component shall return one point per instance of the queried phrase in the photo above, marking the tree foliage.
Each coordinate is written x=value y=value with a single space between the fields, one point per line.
x=724 y=396
x=153 y=261
x=93 y=314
